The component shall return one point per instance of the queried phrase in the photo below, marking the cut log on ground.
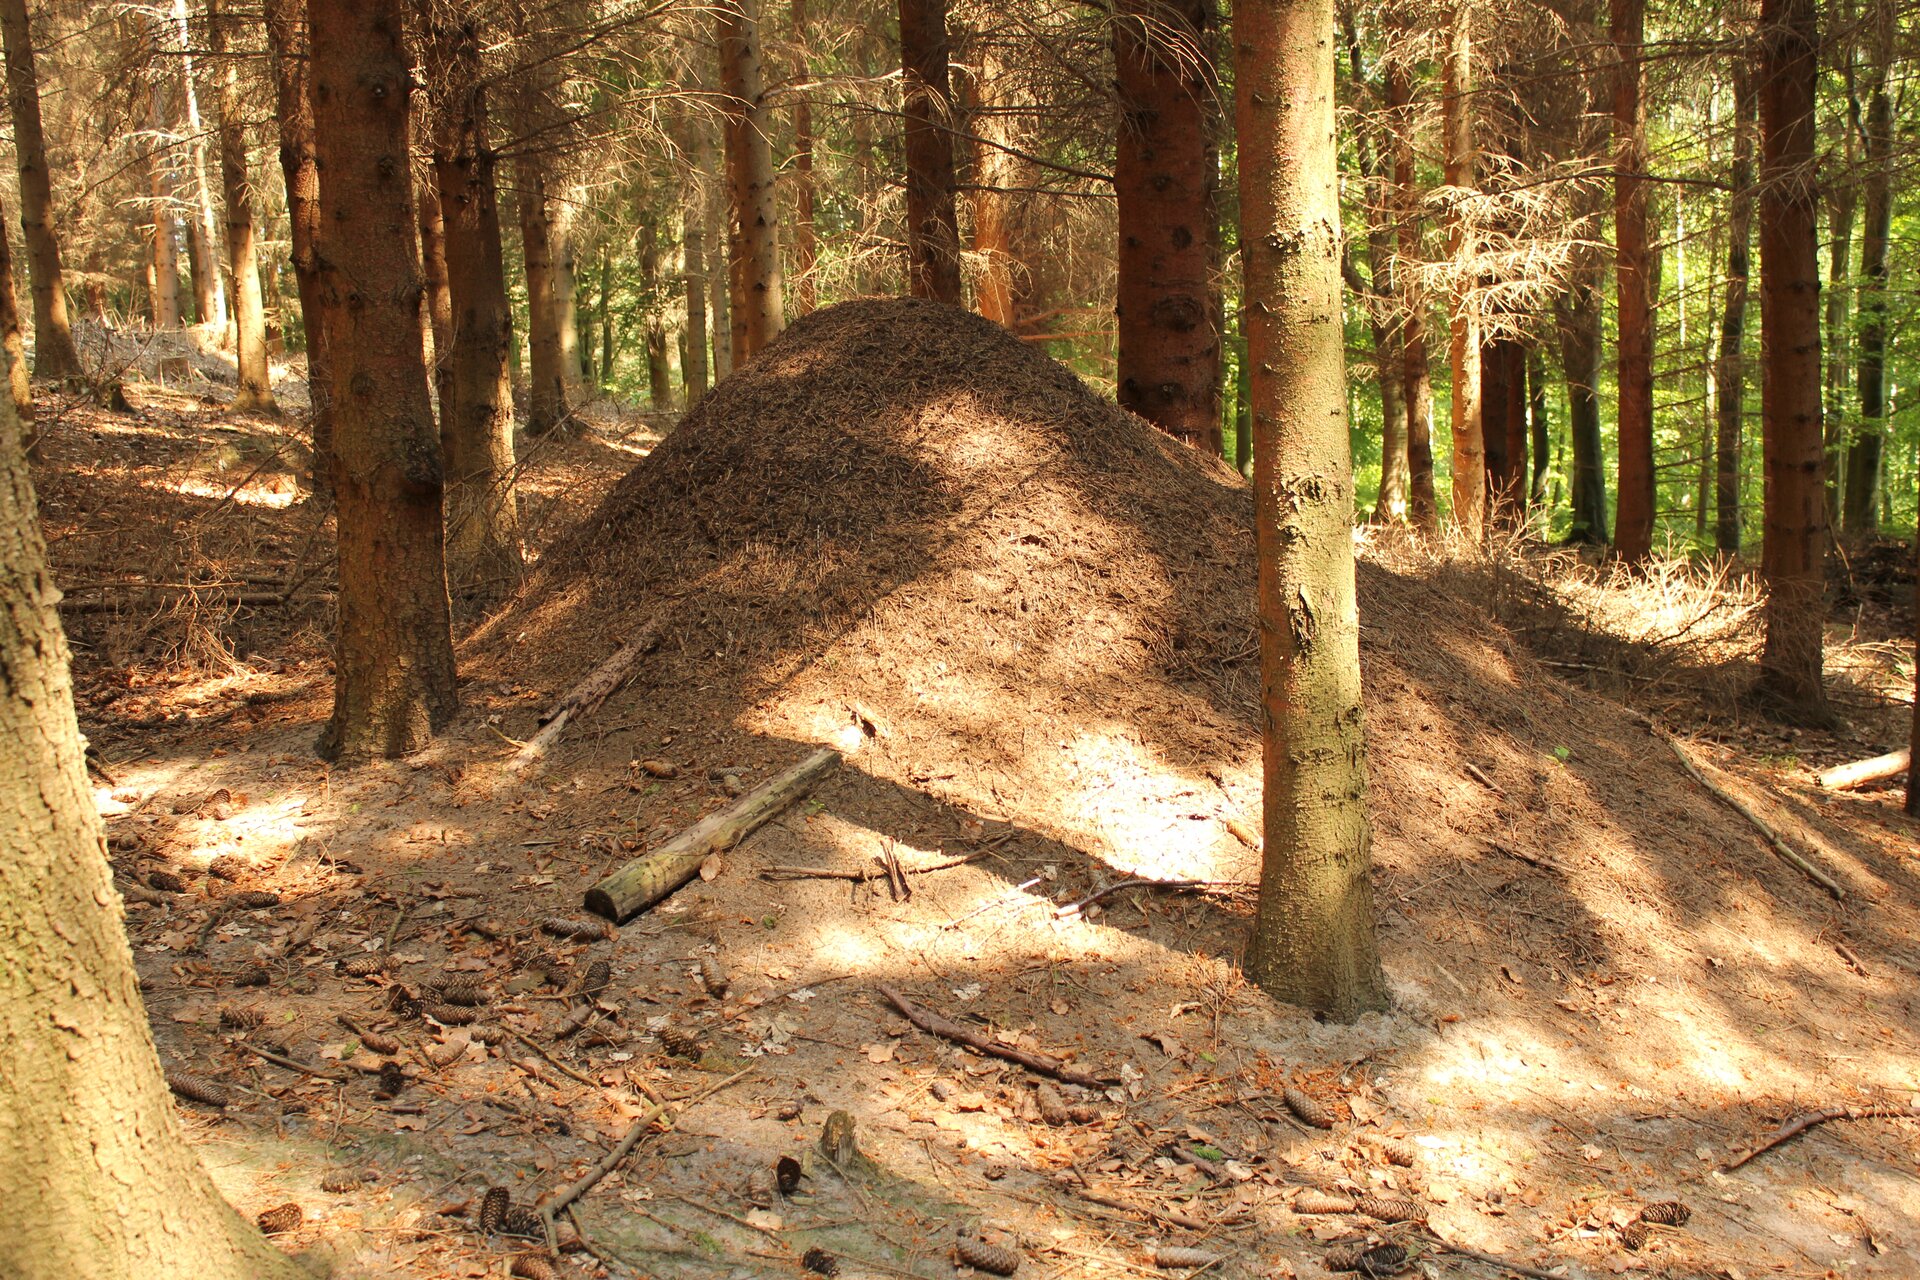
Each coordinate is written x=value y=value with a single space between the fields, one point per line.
x=647 y=879
x=1860 y=772
x=585 y=696
x=947 y=1029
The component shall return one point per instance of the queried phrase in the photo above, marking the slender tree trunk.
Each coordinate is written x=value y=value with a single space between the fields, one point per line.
x=19 y=384
x=1423 y=506
x=1579 y=325
x=438 y=311
x=1633 y=530
x=1169 y=348
x=659 y=374
x=209 y=288
x=933 y=225
x=1796 y=523
x=549 y=400
x=1913 y=771
x=1864 y=456
x=1537 y=425
x=1389 y=364
x=566 y=287
x=164 y=250
x=714 y=218
x=1463 y=352
x=300 y=168
x=993 y=172
x=1313 y=941
x=54 y=355
x=393 y=666
x=1842 y=201
x=605 y=312
x=255 y=391
x=693 y=250
x=1730 y=371
x=805 y=242
x=753 y=268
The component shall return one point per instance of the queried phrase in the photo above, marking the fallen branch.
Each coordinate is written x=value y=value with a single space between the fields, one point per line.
x=1812 y=1119
x=1171 y=1216
x=1491 y=1259
x=647 y=879
x=858 y=874
x=290 y=1063
x=947 y=1029
x=1780 y=846
x=1167 y=886
x=1860 y=772
x=584 y=697
x=557 y=1065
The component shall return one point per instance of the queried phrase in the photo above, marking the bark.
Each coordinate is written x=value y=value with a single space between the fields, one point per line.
x=719 y=270
x=549 y=397
x=255 y=392
x=566 y=287
x=805 y=241
x=1842 y=200
x=163 y=248
x=300 y=169
x=19 y=384
x=933 y=225
x=1730 y=370
x=209 y=288
x=484 y=557
x=1862 y=507
x=1579 y=325
x=993 y=172
x=753 y=267
x=1422 y=503
x=1537 y=426
x=1633 y=529
x=605 y=313
x=693 y=250
x=659 y=374
x=1163 y=181
x=1463 y=349
x=1313 y=941
x=1796 y=522
x=54 y=355
x=1503 y=383
x=437 y=314
x=393 y=666
x=100 y=1168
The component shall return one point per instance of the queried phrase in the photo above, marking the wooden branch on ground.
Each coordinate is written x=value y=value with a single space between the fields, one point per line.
x=584 y=697
x=862 y=873
x=1491 y=1259
x=1812 y=1119
x=290 y=1063
x=645 y=880
x=554 y=1062
x=1860 y=772
x=1780 y=846
x=947 y=1029
x=1166 y=886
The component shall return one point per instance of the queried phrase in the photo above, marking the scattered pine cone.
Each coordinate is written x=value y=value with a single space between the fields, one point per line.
x=463 y=991
x=1306 y=1108
x=281 y=1218
x=531 y=1266
x=522 y=1220
x=240 y=1017
x=339 y=1184
x=227 y=867
x=166 y=881
x=1390 y=1209
x=1368 y=1259
x=1314 y=1201
x=1173 y=1255
x=253 y=975
x=981 y=1256
x=820 y=1262
x=786 y=1175
x=364 y=965
x=681 y=1044
x=448 y=1015
x=486 y=1033
x=1666 y=1213
x=402 y=1002
x=393 y=1080
x=493 y=1208
x=1053 y=1107
x=1634 y=1235
x=596 y=979
x=254 y=899
x=199 y=1089
x=713 y=976
x=374 y=1042
x=574 y=927
x=1396 y=1151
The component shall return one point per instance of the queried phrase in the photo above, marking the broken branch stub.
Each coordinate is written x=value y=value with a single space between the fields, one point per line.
x=637 y=885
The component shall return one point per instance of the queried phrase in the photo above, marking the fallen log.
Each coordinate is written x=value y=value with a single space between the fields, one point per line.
x=584 y=697
x=645 y=880
x=1860 y=772
x=947 y=1029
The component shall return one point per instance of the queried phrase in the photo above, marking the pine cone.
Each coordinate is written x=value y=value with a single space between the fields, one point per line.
x=595 y=980
x=531 y=1266
x=281 y=1218
x=1306 y=1108
x=493 y=1208
x=374 y=1042
x=1053 y=1107
x=240 y=1017
x=1666 y=1213
x=786 y=1175
x=393 y=1080
x=1634 y=1235
x=253 y=975
x=448 y=1015
x=1313 y=1201
x=402 y=1002
x=981 y=1256
x=573 y=927
x=820 y=1262
x=1369 y=1260
x=1390 y=1209
x=254 y=899
x=463 y=991
x=166 y=881
x=1396 y=1151
x=227 y=867
x=340 y=1184
x=713 y=976
x=522 y=1220
x=680 y=1043
x=199 y=1089
x=364 y=965
x=1173 y=1255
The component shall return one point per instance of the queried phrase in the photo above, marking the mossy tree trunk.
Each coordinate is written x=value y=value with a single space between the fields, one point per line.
x=1313 y=940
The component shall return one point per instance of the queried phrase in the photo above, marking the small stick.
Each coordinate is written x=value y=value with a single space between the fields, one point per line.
x=1480 y=776
x=557 y=1065
x=289 y=1063
x=862 y=873
x=1170 y=886
x=1807 y=1120
x=1773 y=838
x=1492 y=1260
x=997 y=902
x=947 y=1029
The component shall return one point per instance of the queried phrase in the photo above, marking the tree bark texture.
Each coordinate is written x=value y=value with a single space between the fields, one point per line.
x=54 y=355
x=1633 y=526
x=753 y=266
x=1730 y=366
x=393 y=664
x=715 y=215
x=255 y=391
x=1163 y=181
x=300 y=169
x=1796 y=513
x=933 y=225
x=19 y=384
x=659 y=374
x=1862 y=505
x=1842 y=199
x=164 y=250
x=209 y=285
x=693 y=251
x=806 y=244
x=437 y=313
x=1537 y=427
x=993 y=172
x=549 y=393
x=1463 y=348
x=1423 y=506
x=1579 y=325
x=1313 y=940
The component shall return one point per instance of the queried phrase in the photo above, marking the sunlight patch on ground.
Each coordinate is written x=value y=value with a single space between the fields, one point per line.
x=274 y=492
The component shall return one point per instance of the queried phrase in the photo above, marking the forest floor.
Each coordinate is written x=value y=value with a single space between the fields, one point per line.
x=1606 y=986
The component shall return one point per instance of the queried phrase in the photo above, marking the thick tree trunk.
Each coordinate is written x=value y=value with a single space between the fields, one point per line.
x=806 y=294
x=1863 y=495
x=549 y=398
x=209 y=286
x=19 y=384
x=1169 y=348
x=393 y=666
x=1796 y=523
x=1730 y=368
x=1463 y=349
x=1503 y=393
x=1313 y=941
x=993 y=172
x=1423 y=506
x=286 y=42
x=255 y=392
x=1633 y=528
x=753 y=267
x=1579 y=325
x=933 y=225
x=484 y=558
x=659 y=373
x=99 y=1167
x=54 y=355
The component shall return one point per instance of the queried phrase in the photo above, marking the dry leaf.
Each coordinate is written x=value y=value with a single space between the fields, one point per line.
x=880 y=1052
x=710 y=866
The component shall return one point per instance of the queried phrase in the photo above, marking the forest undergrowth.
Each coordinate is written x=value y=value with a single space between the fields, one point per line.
x=1607 y=985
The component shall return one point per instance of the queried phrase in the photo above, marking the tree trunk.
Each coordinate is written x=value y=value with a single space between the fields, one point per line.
x=101 y=1169
x=1842 y=200
x=255 y=392
x=1313 y=941
x=54 y=355
x=1579 y=324
x=753 y=267
x=933 y=226
x=19 y=384
x=1633 y=530
x=299 y=167
x=1463 y=351
x=1864 y=456
x=1169 y=349
x=437 y=314
x=484 y=557
x=720 y=263
x=549 y=399
x=1730 y=370
x=1537 y=426
x=393 y=666
x=993 y=172
x=805 y=242
x=566 y=288
x=1423 y=506
x=1796 y=523
x=209 y=287
x=659 y=374
x=163 y=249
x=693 y=251
x=605 y=312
